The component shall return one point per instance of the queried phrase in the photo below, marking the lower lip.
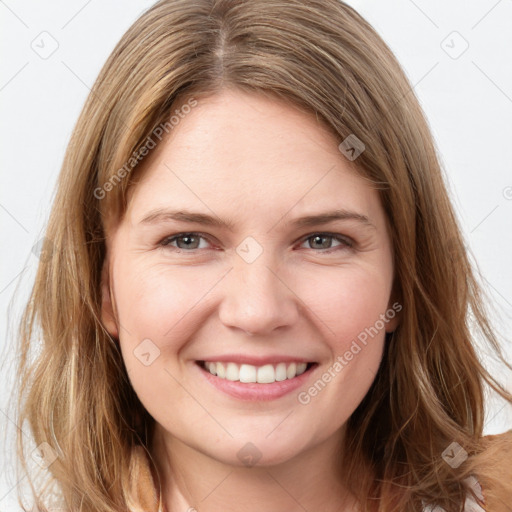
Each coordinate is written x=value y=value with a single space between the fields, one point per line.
x=253 y=391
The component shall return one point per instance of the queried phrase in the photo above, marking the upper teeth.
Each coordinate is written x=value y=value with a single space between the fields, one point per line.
x=265 y=374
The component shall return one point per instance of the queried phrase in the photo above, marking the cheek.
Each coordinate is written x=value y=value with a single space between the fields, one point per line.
x=153 y=302
x=346 y=302
x=169 y=305
x=349 y=308
x=157 y=317
x=166 y=304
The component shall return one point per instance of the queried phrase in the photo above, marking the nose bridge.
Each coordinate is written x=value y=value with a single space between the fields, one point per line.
x=256 y=299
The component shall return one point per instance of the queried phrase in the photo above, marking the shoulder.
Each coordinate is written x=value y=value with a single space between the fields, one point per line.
x=493 y=468
x=142 y=483
x=496 y=443
x=489 y=484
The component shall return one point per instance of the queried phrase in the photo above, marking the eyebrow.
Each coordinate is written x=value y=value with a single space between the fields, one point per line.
x=163 y=215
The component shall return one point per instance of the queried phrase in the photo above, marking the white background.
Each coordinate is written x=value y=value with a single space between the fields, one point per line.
x=468 y=102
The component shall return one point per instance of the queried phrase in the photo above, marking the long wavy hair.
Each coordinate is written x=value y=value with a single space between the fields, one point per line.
x=323 y=57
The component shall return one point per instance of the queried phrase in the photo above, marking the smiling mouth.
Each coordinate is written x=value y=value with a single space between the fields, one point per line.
x=247 y=373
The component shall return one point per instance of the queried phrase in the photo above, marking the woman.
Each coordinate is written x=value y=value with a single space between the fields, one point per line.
x=200 y=350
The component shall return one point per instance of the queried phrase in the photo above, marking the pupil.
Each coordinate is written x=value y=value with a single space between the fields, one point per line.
x=319 y=239
x=188 y=240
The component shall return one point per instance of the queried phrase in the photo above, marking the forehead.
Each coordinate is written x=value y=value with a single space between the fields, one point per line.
x=237 y=151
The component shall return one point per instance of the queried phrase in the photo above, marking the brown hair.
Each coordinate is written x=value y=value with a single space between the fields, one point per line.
x=322 y=56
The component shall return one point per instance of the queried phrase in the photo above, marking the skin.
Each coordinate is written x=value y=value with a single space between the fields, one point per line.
x=259 y=163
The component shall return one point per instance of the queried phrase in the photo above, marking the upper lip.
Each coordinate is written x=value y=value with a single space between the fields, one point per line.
x=255 y=360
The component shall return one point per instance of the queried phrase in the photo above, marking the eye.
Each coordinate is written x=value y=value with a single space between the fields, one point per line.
x=187 y=241
x=192 y=241
x=324 y=241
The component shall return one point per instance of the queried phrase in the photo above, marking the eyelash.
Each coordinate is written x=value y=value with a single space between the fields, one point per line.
x=347 y=243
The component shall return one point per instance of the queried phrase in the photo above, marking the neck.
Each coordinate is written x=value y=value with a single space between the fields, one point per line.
x=191 y=480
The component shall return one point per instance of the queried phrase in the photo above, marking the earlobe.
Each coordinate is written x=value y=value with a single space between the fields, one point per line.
x=108 y=317
x=393 y=318
x=393 y=312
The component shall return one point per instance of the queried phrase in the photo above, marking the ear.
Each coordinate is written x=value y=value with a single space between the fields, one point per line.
x=394 y=308
x=108 y=316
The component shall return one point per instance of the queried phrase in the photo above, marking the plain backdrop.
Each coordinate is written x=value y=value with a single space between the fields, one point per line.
x=457 y=55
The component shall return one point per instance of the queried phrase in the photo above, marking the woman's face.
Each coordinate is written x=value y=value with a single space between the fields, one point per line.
x=258 y=286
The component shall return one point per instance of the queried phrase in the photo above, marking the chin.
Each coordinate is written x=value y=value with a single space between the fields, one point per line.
x=257 y=452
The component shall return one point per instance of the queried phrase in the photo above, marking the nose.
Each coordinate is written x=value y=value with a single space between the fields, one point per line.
x=257 y=299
